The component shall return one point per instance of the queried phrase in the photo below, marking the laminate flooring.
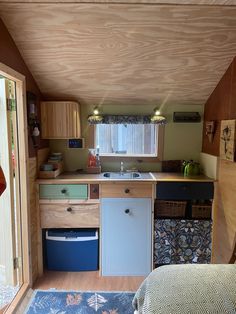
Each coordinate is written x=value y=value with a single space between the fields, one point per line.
x=86 y=281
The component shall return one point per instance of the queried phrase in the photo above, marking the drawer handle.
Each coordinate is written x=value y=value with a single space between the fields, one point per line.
x=63 y=191
x=127 y=191
x=127 y=211
x=69 y=209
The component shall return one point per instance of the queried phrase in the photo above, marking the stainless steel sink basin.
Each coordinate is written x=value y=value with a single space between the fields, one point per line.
x=121 y=175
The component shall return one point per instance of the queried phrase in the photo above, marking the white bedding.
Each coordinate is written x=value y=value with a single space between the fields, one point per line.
x=188 y=289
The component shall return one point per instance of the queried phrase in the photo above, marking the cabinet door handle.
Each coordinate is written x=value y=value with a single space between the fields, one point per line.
x=127 y=191
x=69 y=209
x=63 y=191
x=127 y=211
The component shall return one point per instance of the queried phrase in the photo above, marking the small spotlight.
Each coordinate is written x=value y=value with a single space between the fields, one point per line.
x=95 y=110
x=157 y=112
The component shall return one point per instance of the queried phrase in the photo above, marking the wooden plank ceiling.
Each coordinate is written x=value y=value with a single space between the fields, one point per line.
x=124 y=53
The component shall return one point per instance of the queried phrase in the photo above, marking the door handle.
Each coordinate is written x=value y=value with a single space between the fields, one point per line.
x=127 y=211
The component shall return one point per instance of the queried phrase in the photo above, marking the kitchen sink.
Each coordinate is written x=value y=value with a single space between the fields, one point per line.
x=121 y=175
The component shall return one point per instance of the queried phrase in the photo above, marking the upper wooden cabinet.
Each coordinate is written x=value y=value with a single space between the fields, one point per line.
x=60 y=119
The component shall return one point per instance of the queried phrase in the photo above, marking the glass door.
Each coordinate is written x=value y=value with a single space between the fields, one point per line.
x=10 y=210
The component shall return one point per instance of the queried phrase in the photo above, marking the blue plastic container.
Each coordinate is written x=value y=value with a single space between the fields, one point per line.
x=72 y=249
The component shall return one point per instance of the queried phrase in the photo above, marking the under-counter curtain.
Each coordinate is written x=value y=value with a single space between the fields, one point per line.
x=182 y=241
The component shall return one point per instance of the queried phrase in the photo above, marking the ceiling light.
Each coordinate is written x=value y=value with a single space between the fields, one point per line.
x=95 y=110
x=157 y=118
x=157 y=111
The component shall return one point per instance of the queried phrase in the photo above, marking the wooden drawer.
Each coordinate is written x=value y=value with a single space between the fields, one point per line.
x=63 y=191
x=69 y=216
x=185 y=190
x=116 y=190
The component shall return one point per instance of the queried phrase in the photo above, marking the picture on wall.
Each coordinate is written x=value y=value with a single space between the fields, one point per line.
x=227 y=139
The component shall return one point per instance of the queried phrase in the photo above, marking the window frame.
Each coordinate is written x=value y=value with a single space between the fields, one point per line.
x=138 y=158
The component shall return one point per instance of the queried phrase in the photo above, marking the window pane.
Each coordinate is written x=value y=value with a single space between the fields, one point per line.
x=126 y=139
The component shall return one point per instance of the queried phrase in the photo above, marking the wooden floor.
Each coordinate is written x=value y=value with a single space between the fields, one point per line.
x=86 y=281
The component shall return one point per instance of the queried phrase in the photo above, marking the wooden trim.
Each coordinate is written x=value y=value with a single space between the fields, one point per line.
x=152 y=227
x=19 y=79
x=69 y=202
x=11 y=74
x=39 y=235
x=207 y=3
x=23 y=163
x=12 y=308
x=233 y=257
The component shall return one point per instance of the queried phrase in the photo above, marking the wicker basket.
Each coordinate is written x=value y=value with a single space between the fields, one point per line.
x=170 y=208
x=201 y=211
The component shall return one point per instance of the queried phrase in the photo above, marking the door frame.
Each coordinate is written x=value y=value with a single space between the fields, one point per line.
x=19 y=79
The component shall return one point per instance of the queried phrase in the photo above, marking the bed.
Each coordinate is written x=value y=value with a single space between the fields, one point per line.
x=191 y=288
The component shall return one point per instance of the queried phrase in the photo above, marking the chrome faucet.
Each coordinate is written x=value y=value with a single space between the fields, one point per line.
x=121 y=168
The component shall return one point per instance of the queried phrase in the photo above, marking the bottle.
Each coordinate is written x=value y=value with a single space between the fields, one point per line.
x=91 y=158
x=188 y=170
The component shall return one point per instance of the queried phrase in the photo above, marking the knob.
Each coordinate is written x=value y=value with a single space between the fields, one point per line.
x=95 y=190
x=126 y=191
x=69 y=209
x=63 y=191
x=127 y=211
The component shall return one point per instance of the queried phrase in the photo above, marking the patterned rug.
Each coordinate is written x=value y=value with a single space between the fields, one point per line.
x=77 y=302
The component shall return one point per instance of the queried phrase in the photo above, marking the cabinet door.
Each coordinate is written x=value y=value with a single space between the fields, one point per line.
x=126 y=236
x=185 y=190
x=60 y=119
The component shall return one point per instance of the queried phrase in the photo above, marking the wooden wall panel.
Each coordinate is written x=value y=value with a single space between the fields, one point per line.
x=233 y=91
x=224 y=214
x=10 y=56
x=33 y=217
x=220 y=106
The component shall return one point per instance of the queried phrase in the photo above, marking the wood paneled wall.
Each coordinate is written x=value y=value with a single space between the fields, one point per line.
x=221 y=105
x=10 y=56
x=224 y=216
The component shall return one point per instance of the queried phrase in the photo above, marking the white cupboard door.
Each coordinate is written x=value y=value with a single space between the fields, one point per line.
x=126 y=236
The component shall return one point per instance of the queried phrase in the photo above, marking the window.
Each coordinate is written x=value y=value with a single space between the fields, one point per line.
x=127 y=139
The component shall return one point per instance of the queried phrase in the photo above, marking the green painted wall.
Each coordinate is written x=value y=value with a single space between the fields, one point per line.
x=181 y=140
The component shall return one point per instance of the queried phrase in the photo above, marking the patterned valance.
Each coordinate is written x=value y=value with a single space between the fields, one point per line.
x=126 y=119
